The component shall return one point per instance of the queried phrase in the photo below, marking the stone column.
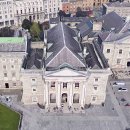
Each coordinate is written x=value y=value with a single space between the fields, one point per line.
x=58 y=100
x=47 y=93
x=82 y=95
x=70 y=93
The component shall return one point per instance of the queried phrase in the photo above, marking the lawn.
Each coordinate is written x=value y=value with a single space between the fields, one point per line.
x=9 y=119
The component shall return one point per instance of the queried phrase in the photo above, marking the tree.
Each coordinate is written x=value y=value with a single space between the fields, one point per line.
x=35 y=31
x=6 y=32
x=26 y=24
x=61 y=14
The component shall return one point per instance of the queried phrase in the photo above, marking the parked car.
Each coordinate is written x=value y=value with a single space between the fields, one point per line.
x=122 y=89
x=121 y=83
x=127 y=104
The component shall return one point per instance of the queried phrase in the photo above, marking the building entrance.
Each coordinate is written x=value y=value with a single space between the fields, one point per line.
x=64 y=98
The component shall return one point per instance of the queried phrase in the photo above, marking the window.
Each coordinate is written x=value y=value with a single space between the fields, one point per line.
x=40 y=8
x=12 y=66
x=94 y=98
x=4 y=66
x=52 y=84
x=21 y=12
x=34 y=89
x=118 y=61
x=6 y=85
x=14 y=84
x=76 y=85
x=96 y=79
x=5 y=74
x=13 y=74
x=108 y=50
x=34 y=99
x=120 y=51
x=64 y=85
x=95 y=88
x=33 y=81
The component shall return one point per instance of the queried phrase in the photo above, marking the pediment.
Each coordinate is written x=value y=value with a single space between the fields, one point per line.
x=66 y=72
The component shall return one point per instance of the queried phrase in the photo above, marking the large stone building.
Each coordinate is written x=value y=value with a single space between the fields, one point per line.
x=51 y=8
x=63 y=73
x=115 y=42
x=71 y=6
x=31 y=9
x=6 y=13
x=13 y=12
x=121 y=8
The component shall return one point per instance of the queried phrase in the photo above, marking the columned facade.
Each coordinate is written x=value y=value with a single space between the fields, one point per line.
x=59 y=93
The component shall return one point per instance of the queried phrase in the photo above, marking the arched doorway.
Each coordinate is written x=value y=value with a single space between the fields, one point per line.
x=52 y=98
x=128 y=64
x=64 y=98
x=76 y=98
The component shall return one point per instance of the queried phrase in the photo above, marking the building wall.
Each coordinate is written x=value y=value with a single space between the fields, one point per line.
x=51 y=8
x=99 y=2
x=32 y=10
x=66 y=7
x=33 y=87
x=121 y=11
x=92 y=89
x=10 y=70
x=6 y=13
x=96 y=87
x=116 y=59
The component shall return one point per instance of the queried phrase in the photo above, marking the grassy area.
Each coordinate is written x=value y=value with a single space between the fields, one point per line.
x=9 y=119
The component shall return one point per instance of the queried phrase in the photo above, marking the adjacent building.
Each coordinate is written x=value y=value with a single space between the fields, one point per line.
x=51 y=8
x=121 y=8
x=6 y=13
x=63 y=72
x=114 y=42
x=62 y=75
x=32 y=10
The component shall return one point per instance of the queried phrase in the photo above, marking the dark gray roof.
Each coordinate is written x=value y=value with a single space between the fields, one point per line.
x=13 y=44
x=117 y=36
x=103 y=35
x=67 y=19
x=112 y=20
x=85 y=27
x=92 y=58
x=54 y=20
x=12 y=47
x=65 y=49
x=118 y=4
x=34 y=60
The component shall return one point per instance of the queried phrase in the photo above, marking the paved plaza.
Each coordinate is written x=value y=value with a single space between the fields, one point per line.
x=114 y=115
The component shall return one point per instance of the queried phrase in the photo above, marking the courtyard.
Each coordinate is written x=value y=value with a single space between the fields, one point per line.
x=9 y=120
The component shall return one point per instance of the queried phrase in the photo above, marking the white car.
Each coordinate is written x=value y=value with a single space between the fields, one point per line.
x=122 y=89
x=119 y=83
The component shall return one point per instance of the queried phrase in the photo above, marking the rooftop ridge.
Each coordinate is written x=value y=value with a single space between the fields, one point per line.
x=63 y=35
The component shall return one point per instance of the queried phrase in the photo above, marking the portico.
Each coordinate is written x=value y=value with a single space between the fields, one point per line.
x=63 y=93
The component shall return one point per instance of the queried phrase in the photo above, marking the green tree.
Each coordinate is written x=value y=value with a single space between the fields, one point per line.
x=26 y=24
x=35 y=31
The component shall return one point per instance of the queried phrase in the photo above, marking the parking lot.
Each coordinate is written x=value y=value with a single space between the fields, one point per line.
x=123 y=97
